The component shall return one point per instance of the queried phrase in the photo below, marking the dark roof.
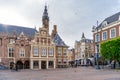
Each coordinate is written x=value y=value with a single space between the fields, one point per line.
x=45 y=14
x=58 y=41
x=111 y=19
x=89 y=40
x=18 y=29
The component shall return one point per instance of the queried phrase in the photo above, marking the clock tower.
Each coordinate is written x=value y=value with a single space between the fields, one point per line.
x=45 y=18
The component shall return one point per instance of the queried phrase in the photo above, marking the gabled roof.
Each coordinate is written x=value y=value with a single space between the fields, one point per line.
x=18 y=29
x=111 y=19
x=58 y=41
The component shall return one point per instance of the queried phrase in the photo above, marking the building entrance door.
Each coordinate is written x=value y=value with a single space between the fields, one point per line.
x=19 y=64
x=27 y=64
x=43 y=64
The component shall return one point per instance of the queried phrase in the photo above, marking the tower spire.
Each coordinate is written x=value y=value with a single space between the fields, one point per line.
x=45 y=17
x=83 y=36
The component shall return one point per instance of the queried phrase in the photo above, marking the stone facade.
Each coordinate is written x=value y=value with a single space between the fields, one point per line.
x=42 y=48
x=83 y=48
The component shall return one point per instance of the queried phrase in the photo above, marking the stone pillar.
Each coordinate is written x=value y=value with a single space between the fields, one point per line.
x=23 y=64
x=54 y=64
x=39 y=64
x=31 y=64
x=47 y=52
x=47 y=64
x=31 y=54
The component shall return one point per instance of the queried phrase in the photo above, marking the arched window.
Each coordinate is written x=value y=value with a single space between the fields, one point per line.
x=104 y=23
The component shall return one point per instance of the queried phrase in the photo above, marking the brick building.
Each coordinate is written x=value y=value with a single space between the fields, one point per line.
x=29 y=48
x=15 y=45
x=108 y=29
x=71 y=54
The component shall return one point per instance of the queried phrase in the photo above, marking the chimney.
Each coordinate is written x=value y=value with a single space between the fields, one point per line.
x=54 y=31
x=14 y=34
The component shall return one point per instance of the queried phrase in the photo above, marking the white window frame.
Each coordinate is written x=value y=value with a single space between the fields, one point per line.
x=44 y=51
x=97 y=37
x=111 y=32
x=10 y=52
x=59 y=51
x=51 y=51
x=104 y=38
x=35 y=51
x=65 y=52
x=22 y=52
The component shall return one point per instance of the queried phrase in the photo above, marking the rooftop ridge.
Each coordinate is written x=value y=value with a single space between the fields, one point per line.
x=10 y=25
x=110 y=19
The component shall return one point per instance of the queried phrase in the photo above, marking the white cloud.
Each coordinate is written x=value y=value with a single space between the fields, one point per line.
x=10 y=16
x=72 y=16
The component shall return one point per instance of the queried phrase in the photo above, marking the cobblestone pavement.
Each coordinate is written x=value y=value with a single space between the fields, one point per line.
x=79 y=73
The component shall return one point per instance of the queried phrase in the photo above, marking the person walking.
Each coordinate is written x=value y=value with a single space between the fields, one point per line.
x=16 y=67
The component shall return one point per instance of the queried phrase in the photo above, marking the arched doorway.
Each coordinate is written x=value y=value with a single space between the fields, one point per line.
x=19 y=64
x=27 y=64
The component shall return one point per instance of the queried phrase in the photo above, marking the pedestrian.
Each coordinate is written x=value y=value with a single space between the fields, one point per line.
x=113 y=64
x=16 y=67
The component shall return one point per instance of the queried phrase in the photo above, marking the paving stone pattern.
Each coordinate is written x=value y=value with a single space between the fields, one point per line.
x=79 y=73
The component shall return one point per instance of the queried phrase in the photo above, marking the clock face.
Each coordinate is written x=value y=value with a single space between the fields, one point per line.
x=43 y=32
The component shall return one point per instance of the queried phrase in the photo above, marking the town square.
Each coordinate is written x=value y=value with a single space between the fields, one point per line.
x=59 y=40
x=79 y=73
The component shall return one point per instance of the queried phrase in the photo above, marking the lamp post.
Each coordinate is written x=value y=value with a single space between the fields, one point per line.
x=97 y=45
x=97 y=57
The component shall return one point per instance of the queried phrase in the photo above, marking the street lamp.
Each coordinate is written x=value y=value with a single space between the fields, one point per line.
x=97 y=45
x=97 y=57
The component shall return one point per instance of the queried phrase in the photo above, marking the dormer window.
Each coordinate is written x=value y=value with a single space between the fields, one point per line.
x=104 y=23
x=119 y=17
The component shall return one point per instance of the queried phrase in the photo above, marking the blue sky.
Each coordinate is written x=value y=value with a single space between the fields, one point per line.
x=72 y=17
